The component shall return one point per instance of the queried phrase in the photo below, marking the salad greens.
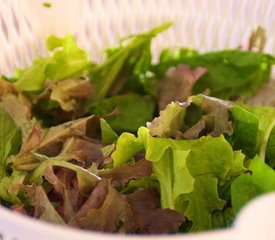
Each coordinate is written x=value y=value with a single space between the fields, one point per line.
x=131 y=146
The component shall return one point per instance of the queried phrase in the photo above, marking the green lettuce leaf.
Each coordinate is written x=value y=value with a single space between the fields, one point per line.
x=259 y=180
x=66 y=60
x=187 y=171
x=106 y=76
x=252 y=128
x=270 y=149
x=6 y=192
x=70 y=61
x=10 y=139
x=170 y=121
x=108 y=135
x=221 y=219
x=132 y=111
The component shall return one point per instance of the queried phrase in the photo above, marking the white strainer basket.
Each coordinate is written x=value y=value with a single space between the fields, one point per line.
x=97 y=24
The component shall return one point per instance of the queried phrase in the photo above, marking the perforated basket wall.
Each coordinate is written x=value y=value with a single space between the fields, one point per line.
x=97 y=24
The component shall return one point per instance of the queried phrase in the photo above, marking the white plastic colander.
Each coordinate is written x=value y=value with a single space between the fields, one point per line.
x=97 y=24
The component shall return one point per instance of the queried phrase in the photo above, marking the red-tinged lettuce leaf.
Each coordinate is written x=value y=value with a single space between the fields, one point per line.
x=114 y=214
x=122 y=174
x=94 y=201
x=32 y=140
x=230 y=73
x=78 y=140
x=181 y=121
x=178 y=84
x=69 y=92
x=86 y=180
x=215 y=115
x=145 y=205
x=184 y=168
x=43 y=208
x=51 y=141
x=140 y=183
x=65 y=191
x=85 y=152
x=170 y=121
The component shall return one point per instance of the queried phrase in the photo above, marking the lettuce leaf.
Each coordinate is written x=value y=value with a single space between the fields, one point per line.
x=202 y=165
x=10 y=139
x=230 y=73
x=259 y=180
x=252 y=128
x=66 y=60
x=43 y=208
x=106 y=76
x=131 y=111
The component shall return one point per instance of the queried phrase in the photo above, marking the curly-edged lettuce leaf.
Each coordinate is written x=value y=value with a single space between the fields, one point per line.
x=66 y=60
x=170 y=121
x=70 y=61
x=70 y=92
x=259 y=180
x=187 y=171
x=32 y=78
x=221 y=219
x=199 y=115
x=6 y=192
x=122 y=174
